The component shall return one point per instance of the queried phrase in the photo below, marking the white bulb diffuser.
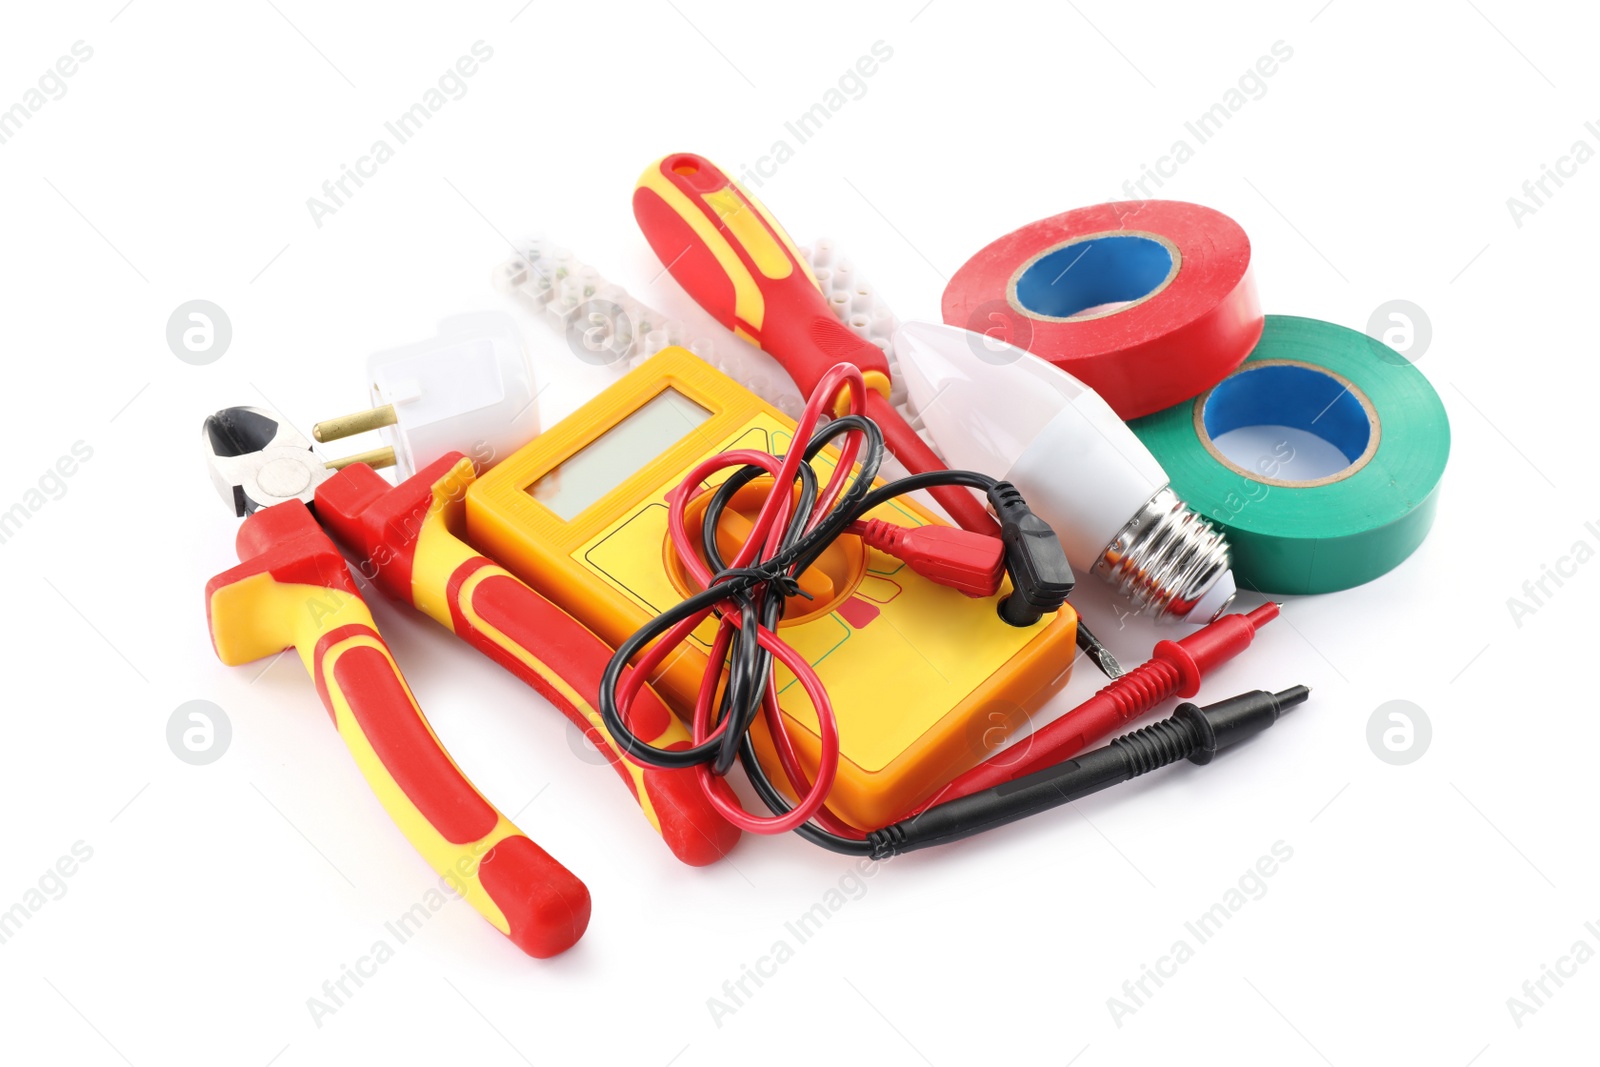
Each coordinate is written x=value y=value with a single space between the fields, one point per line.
x=1000 y=410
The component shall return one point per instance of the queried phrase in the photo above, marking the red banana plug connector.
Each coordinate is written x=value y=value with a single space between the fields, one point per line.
x=971 y=562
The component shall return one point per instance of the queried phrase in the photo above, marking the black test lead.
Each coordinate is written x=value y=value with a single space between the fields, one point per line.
x=1191 y=732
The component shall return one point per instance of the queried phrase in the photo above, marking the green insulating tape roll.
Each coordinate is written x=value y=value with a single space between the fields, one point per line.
x=1332 y=533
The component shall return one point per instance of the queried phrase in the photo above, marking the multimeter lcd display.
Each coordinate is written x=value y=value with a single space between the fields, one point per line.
x=605 y=463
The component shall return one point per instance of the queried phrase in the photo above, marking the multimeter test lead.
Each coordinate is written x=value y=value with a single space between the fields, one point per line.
x=1192 y=732
x=748 y=594
x=797 y=522
x=1175 y=668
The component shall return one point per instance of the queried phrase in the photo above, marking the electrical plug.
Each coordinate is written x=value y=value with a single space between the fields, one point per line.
x=468 y=390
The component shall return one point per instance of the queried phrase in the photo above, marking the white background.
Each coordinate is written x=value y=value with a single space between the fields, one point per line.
x=218 y=899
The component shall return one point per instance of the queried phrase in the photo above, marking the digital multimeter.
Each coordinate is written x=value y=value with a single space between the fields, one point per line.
x=924 y=680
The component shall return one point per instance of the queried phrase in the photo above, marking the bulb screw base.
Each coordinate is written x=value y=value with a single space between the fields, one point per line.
x=1166 y=559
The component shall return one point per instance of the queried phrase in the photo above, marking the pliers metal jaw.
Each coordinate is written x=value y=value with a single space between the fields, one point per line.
x=256 y=460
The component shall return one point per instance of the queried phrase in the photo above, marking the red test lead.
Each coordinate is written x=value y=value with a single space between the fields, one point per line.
x=1174 y=669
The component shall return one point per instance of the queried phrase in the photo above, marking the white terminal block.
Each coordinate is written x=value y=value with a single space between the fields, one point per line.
x=605 y=325
x=468 y=390
x=602 y=323
x=856 y=304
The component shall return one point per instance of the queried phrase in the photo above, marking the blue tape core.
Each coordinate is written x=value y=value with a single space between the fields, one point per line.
x=1303 y=398
x=1086 y=274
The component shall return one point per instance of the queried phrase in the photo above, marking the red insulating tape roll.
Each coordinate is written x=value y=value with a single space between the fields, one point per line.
x=1148 y=302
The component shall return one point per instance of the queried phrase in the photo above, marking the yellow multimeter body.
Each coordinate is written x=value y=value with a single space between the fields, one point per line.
x=924 y=680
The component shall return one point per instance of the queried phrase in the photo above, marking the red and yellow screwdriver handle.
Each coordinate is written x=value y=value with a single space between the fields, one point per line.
x=294 y=590
x=405 y=534
x=730 y=254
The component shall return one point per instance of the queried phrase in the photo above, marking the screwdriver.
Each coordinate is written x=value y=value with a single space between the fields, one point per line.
x=728 y=252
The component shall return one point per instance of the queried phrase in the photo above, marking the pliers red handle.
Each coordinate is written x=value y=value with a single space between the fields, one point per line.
x=293 y=590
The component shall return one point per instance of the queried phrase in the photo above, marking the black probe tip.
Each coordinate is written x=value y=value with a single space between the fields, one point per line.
x=1295 y=694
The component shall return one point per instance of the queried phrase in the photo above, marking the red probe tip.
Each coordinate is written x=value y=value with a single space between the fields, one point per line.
x=1262 y=615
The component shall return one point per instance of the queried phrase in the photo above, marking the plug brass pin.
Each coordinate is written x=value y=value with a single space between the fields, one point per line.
x=377 y=459
x=348 y=425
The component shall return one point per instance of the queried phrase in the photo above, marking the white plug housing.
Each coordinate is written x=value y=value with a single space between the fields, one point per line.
x=468 y=390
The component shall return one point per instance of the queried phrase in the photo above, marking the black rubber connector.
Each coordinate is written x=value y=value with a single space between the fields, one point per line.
x=1040 y=575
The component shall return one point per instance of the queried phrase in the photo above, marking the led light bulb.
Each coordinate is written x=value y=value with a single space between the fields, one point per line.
x=995 y=408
